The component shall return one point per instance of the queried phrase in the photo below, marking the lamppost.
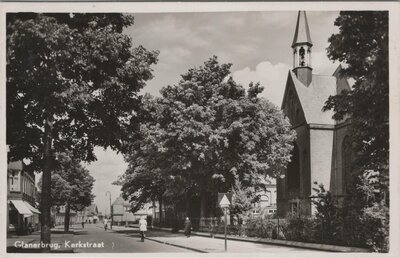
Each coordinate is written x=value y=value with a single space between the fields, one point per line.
x=111 y=213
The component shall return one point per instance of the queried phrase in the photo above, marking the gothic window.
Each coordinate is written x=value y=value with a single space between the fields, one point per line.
x=346 y=163
x=293 y=170
x=305 y=173
x=264 y=201
x=297 y=115
x=302 y=54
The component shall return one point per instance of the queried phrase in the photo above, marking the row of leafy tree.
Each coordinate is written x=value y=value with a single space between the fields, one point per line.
x=362 y=43
x=71 y=186
x=205 y=134
x=72 y=84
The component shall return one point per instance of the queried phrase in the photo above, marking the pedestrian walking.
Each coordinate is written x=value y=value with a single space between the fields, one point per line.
x=105 y=224
x=142 y=227
x=83 y=224
x=188 y=227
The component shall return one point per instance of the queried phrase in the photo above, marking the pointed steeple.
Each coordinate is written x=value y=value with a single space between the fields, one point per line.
x=302 y=50
x=302 y=32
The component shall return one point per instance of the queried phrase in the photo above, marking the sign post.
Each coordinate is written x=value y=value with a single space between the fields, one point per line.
x=225 y=219
x=224 y=202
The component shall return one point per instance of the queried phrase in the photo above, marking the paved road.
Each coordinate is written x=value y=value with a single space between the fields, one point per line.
x=127 y=240
x=122 y=241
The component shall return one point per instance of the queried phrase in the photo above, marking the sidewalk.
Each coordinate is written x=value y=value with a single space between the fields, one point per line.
x=201 y=242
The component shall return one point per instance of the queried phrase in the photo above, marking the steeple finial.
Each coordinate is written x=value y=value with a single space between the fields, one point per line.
x=302 y=32
x=302 y=50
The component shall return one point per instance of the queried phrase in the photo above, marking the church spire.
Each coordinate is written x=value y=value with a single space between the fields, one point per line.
x=302 y=32
x=302 y=50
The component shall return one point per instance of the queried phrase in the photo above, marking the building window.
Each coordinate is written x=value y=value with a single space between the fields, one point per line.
x=302 y=53
x=13 y=181
x=306 y=174
x=347 y=156
x=293 y=170
x=293 y=207
x=264 y=201
x=297 y=115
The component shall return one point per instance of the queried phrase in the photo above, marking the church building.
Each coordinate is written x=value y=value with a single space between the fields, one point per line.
x=322 y=148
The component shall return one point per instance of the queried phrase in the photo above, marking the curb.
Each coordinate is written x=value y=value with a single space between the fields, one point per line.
x=304 y=245
x=180 y=246
x=168 y=243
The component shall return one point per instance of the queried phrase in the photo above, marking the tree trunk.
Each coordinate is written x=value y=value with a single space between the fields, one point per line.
x=45 y=235
x=202 y=202
x=187 y=208
x=66 y=218
x=160 y=203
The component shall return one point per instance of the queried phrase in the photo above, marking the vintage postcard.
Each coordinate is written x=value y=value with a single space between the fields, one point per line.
x=191 y=129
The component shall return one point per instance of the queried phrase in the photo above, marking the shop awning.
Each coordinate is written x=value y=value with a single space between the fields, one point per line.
x=21 y=207
x=33 y=209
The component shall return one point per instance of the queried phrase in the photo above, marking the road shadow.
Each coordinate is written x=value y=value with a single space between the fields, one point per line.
x=128 y=231
x=78 y=233
x=12 y=249
x=56 y=232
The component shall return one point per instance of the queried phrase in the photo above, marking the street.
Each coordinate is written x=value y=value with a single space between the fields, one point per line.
x=97 y=241
x=118 y=241
x=94 y=239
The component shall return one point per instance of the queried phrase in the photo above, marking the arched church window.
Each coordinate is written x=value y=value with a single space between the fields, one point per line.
x=297 y=115
x=347 y=157
x=264 y=201
x=305 y=172
x=293 y=169
x=302 y=54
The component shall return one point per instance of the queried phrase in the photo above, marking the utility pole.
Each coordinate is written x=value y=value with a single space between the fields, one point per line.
x=111 y=212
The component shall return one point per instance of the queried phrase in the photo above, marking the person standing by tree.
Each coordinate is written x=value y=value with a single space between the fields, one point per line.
x=188 y=227
x=105 y=224
x=142 y=227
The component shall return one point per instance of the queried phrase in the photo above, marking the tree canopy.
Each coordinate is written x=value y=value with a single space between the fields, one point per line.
x=72 y=84
x=71 y=183
x=203 y=133
x=362 y=43
x=80 y=72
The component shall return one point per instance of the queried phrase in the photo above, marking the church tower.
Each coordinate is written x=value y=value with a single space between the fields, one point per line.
x=321 y=151
x=302 y=50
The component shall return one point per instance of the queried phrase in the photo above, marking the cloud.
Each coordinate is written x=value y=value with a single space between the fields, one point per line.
x=105 y=170
x=322 y=65
x=271 y=76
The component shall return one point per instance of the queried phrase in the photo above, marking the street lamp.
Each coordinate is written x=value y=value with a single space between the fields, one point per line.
x=112 y=218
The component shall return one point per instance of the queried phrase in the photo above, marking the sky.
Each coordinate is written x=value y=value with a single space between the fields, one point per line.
x=256 y=43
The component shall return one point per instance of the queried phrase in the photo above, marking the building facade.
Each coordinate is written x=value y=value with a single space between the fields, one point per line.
x=267 y=203
x=23 y=214
x=321 y=151
x=89 y=215
x=122 y=214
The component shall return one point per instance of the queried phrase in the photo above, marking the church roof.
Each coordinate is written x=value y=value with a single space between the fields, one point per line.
x=313 y=97
x=121 y=201
x=302 y=32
